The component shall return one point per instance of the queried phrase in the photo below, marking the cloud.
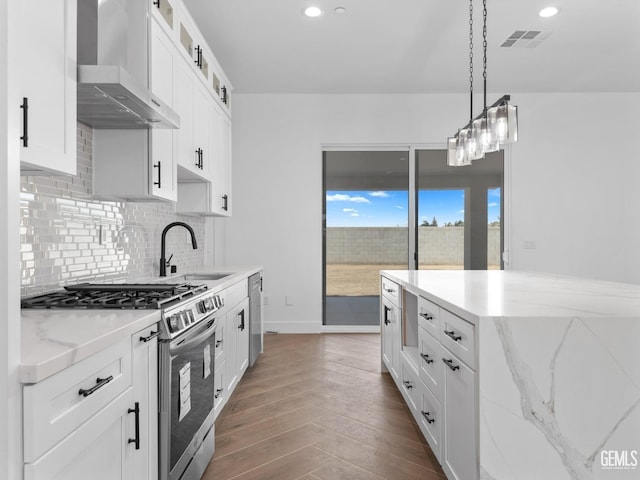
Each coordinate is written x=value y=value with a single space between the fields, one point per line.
x=495 y=192
x=379 y=194
x=493 y=204
x=400 y=207
x=461 y=211
x=341 y=197
x=347 y=210
x=355 y=214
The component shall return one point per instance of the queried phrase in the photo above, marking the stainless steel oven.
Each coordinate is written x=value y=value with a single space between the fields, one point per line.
x=186 y=369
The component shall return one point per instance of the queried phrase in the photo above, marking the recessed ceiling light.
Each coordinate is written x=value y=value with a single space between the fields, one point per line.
x=548 y=12
x=340 y=10
x=313 y=12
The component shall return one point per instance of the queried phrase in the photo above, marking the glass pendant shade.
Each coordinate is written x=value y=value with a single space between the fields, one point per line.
x=474 y=148
x=503 y=123
x=452 y=152
x=486 y=140
x=462 y=150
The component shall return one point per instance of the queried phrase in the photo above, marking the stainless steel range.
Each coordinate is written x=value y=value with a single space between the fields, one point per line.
x=186 y=362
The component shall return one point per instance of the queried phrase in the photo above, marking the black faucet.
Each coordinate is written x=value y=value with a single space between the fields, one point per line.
x=163 y=260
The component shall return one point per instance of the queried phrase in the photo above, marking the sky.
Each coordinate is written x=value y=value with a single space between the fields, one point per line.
x=390 y=208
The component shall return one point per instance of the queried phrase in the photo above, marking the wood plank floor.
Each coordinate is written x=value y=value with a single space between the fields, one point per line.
x=316 y=407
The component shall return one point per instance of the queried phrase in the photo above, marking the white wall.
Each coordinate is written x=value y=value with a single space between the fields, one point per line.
x=570 y=170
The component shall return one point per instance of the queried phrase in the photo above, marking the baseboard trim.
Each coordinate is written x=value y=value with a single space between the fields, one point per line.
x=350 y=329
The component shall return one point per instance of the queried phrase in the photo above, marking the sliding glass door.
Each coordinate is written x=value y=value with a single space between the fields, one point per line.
x=366 y=229
x=459 y=212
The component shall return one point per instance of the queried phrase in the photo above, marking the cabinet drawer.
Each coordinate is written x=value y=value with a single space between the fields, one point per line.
x=430 y=420
x=410 y=385
x=429 y=316
x=59 y=404
x=430 y=365
x=236 y=293
x=97 y=449
x=458 y=336
x=391 y=290
x=219 y=393
x=220 y=342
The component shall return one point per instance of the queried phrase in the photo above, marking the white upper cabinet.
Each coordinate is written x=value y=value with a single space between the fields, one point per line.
x=48 y=87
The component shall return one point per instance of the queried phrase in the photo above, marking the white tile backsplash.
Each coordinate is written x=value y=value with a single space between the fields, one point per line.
x=60 y=232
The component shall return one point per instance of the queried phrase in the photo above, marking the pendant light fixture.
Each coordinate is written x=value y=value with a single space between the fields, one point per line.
x=495 y=126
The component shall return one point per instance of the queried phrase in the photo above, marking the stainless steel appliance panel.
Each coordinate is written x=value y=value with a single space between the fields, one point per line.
x=255 y=317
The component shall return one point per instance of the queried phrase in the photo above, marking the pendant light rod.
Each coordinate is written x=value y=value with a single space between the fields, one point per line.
x=484 y=50
x=471 y=60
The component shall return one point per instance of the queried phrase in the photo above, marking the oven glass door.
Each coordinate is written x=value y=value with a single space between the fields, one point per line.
x=192 y=386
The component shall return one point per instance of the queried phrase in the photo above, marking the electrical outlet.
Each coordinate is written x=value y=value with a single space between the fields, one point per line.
x=530 y=245
x=288 y=301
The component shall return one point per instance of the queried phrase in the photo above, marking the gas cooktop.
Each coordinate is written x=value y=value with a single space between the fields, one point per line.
x=115 y=295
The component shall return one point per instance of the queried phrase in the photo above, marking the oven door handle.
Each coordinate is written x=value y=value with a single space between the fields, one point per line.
x=200 y=335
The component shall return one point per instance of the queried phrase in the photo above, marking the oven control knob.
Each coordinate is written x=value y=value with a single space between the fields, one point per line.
x=209 y=304
x=173 y=323
x=202 y=307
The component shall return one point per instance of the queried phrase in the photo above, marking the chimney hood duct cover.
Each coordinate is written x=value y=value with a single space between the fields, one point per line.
x=113 y=61
x=108 y=97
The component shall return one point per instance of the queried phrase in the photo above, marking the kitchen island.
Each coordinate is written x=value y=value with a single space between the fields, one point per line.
x=518 y=375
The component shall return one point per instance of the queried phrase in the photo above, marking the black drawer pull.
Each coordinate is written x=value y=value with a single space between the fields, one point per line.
x=241 y=315
x=427 y=316
x=407 y=384
x=151 y=336
x=136 y=410
x=386 y=315
x=449 y=363
x=218 y=392
x=25 y=122
x=156 y=3
x=426 y=416
x=426 y=358
x=390 y=290
x=100 y=382
x=225 y=202
x=452 y=334
x=155 y=102
x=218 y=343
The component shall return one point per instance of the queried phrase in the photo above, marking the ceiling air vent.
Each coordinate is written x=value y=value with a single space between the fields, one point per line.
x=526 y=38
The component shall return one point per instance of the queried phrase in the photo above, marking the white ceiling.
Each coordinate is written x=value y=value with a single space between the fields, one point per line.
x=421 y=46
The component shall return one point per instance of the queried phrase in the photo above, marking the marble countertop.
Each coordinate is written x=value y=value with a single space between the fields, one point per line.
x=473 y=294
x=52 y=340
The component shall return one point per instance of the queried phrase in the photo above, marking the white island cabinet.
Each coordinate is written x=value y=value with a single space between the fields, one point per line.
x=98 y=417
x=519 y=375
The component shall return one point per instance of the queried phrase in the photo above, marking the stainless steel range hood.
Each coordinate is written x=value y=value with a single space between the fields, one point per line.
x=113 y=50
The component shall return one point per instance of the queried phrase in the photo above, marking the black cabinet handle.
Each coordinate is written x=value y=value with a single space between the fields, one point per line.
x=389 y=290
x=449 y=363
x=155 y=102
x=224 y=95
x=241 y=315
x=218 y=343
x=151 y=336
x=407 y=384
x=386 y=315
x=426 y=416
x=198 y=59
x=136 y=410
x=159 y=182
x=225 y=202
x=156 y=3
x=426 y=358
x=25 y=122
x=452 y=334
x=199 y=162
x=427 y=316
x=100 y=382
x=218 y=392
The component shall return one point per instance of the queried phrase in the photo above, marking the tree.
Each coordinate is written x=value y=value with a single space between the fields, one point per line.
x=459 y=223
x=434 y=222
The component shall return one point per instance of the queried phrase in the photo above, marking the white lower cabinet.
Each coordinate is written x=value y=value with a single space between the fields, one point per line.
x=430 y=420
x=438 y=383
x=219 y=391
x=98 y=418
x=98 y=450
x=237 y=338
x=459 y=456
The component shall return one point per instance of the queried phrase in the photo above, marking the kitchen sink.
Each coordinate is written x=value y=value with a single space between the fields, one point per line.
x=205 y=276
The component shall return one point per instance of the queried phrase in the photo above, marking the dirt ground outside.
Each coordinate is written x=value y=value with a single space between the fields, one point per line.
x=356 y=280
